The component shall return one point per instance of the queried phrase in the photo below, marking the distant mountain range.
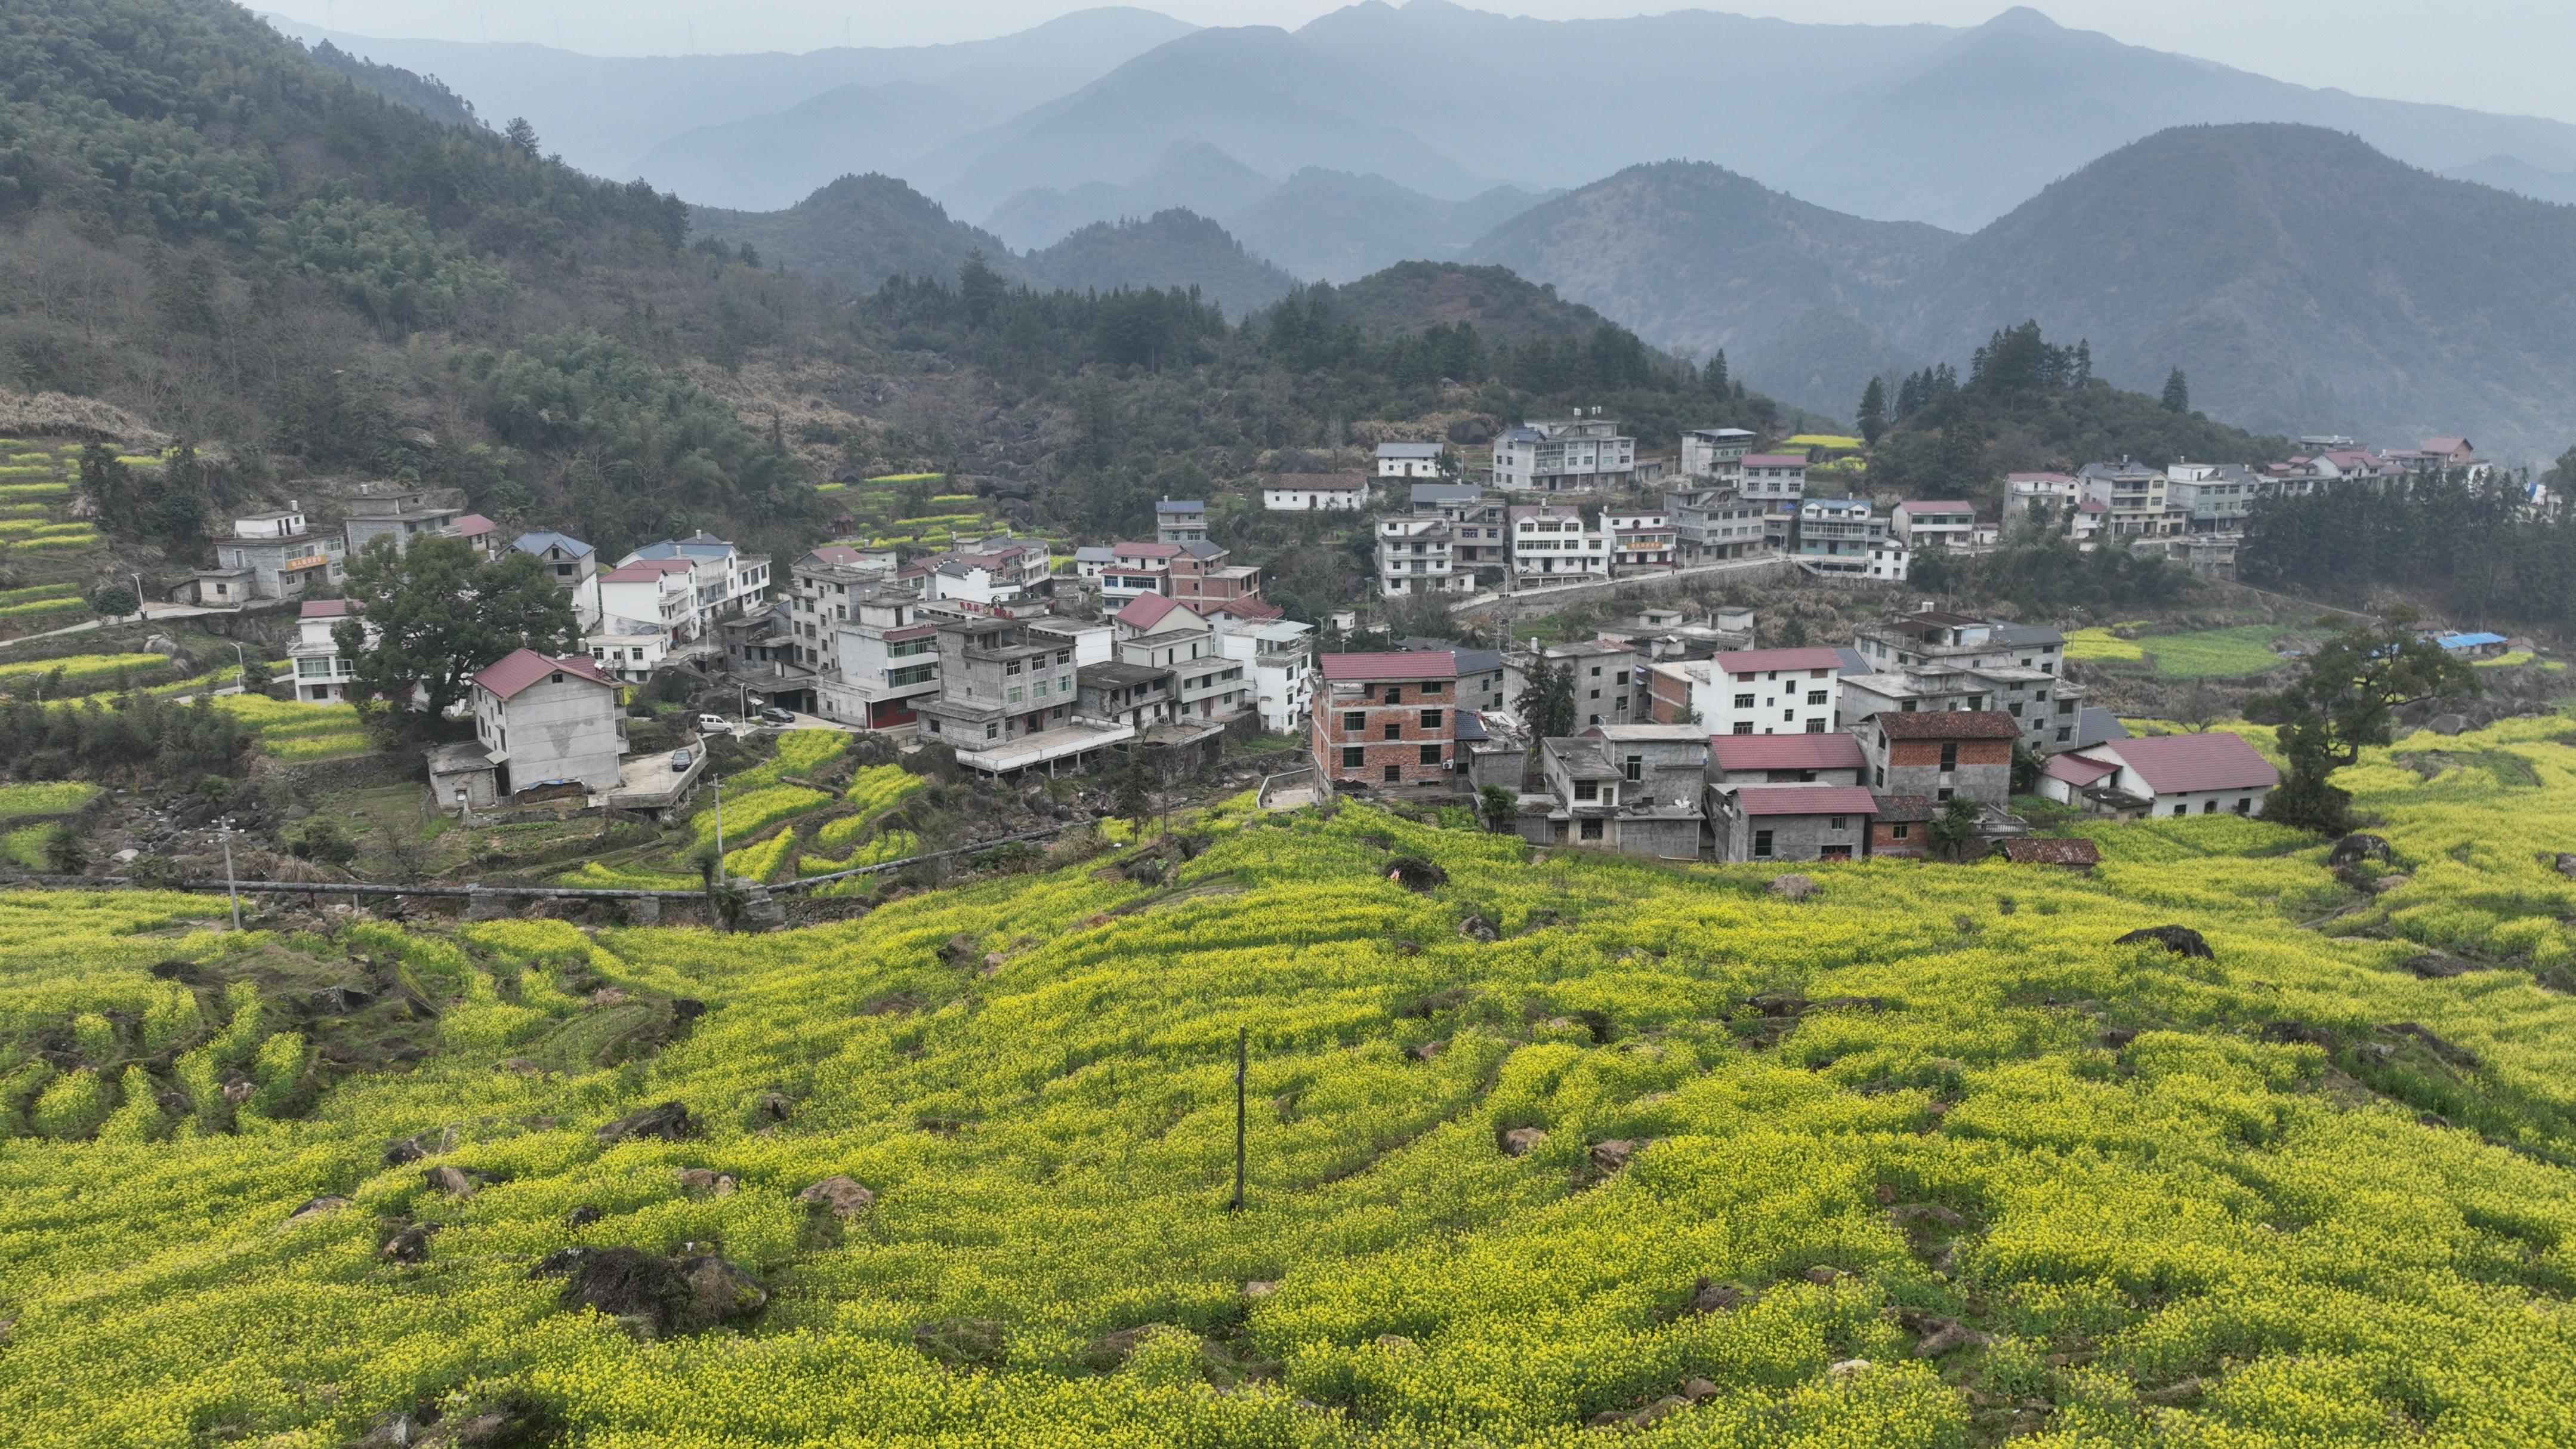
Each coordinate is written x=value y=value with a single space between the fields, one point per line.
x=2303 y=281
x=1948 y=126
x=860 y=230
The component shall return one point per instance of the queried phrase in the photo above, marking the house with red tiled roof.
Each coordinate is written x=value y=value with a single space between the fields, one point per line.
x=2214 y=773
x=1941 y=753
x=1790 y=822
x=1749 y=691
x=548 y=721
x=1833 y=758
x=1385 y=719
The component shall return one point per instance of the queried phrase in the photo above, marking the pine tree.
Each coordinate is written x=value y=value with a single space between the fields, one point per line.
x=2177 y=392
x=1716 y=374
x=1873 y=411
x=2083 y=361
x=521 y=136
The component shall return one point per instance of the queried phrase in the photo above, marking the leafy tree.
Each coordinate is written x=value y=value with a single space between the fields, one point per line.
x=435 y=614
x=66 y=852
x=2177 y=397
x=1873 y=411
x=1134 y=801
x=1546 y=702
x=1956 y=825
x=2345 y=698
x=115 y=601
x=1500 y=808
x=521 y=136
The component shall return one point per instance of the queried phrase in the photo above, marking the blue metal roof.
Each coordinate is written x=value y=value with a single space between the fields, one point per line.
x=541 y=540
x=2468 y=641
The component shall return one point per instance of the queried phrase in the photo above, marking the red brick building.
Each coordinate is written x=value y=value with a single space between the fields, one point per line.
x=1386 y=719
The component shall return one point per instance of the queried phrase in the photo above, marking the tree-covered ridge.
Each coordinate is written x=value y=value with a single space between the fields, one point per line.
x=2030 y=405
x=2470 y=547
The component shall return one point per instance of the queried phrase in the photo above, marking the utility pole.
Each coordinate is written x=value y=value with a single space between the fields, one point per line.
x=718 y=781
x=241 y=672
x=1241 y=1056
x=232 y=886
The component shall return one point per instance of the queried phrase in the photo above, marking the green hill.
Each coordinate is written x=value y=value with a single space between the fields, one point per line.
x=1172 y=248
x=1928 y=1158
x=858 y=231
x=1506 y=309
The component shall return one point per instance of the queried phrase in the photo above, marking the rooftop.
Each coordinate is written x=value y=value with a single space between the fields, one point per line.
x=1320 y=482
x=1180 y=505
x=1389 y=667
x=1949 y=724
x=327 y=609
x=541 y=540
x=1832 y=751
x=1908 y=809
x=1937 y=505
x=2215 y=760
x=1757 y=661
x=519 y=668
x=1408 y=450
x=1147 y=610
x=1775 y=460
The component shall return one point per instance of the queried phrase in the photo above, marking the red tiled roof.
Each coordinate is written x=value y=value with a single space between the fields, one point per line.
x=1806 y=800
x=632 y=574
x=1907 y=808
x=911 y=631
x=327 y=609
x=837 y=553
x=1318 y=481
x=1147 y=610
x=2171 y=764
x=1949 y=724
x=472 y=525
x=2445 y=445
x=1937 y=505
x=1756 y=661
x=1252 y=611
x=2078 y=770
x=1411 y=664
x=2037 y=478
x=520 y=668
x=1144 y=550
x=2049 y=850
x=1835 y=751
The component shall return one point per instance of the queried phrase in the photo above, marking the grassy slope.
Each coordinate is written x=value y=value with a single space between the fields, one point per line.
x=2199 y=1204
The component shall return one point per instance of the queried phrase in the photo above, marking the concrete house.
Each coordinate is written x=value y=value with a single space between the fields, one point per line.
x=1408 y=460
x=1591 y=799
x=1419 y=556
x=481 y=534
x=393 y=511
x=1476 y=523
x=1715 y=523
x=1484 y=681
x=323 y=673
x=1387 y=719
x=2214 y=773
x=273 y=555
x=1278 y=657
x=1008 y=700
x=2133 y=496
x=1136 y=569
x=1551 y=542
x=1640 y=543
x=1790 y=822
x=885 y=661
x=1565 y=455
x=575 y=566
x=546 y=721
x=1715 y=453
x=1900 y=826
x=1604 y=679
x=1315 y=492
x=1180 y=520
x=1934 y=523
x=1931 y=660
x=1751 y=691
x=1940 y=755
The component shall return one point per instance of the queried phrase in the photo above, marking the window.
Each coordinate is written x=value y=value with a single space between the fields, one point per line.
x=1878 y=777
x=1431 y=719
x=2182 y=810
x=1762 y=845
x=1431 y=754
x=1354 y=757
x=1586 y=790
x=2209 y=807
x=2244 y=806
x=1394 y=774
x=1744 y=727
x=1815 y=726
x=2065 y=733
x=912 y=674
x=1354 y=721
x=1899 y=832
x=1835 y=822
x=1015 y=694
x=1395 y=694
x=1815 y=696
x=1949 y=755
x=1943 y=794
x=2016 y=709
x=1636 y=767
x=992 y=731
x=1393 y=732
x=1592 y=830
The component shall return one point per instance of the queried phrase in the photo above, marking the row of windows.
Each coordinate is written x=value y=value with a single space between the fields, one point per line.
x=1355 y=757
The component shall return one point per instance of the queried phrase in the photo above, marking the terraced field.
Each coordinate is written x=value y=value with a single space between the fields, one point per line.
x=1927 y=1157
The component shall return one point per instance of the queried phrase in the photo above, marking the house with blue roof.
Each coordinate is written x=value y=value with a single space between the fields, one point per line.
x=2472 y=646
x=574 y=564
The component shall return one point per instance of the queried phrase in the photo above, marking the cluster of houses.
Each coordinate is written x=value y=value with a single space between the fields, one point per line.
x=1689 y=745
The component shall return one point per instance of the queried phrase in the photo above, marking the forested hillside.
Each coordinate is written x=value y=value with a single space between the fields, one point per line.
x=2469 y=548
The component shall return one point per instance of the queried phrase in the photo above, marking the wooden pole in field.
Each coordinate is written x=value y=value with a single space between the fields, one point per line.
x=1240 y=1059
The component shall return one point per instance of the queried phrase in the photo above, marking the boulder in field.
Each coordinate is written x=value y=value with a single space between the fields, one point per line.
x=838 y=1195
x=2180 y=940
x=1520 y=1141
x=315 y=1206
x=669 y=1121
x=1793 y=887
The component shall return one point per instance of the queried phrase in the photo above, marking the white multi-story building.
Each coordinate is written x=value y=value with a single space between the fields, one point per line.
x=630 y=655
x=1181 y=520
x=1775 y=479
x=575 y=566
x=1408 y=460
x=1136 y=569
x=1750 y=691
x=547 y=721
x=2133 y=497
x=1921 y=523
x=1314 y=493
x=271 y=555
x=885 y=661
x=1550 y=541
x=652 y=596
x=1844 y=537
x=1566 y=455
x=723 y=580
x=1640 y=543
x=1715 y=523
x=1715 y=453
x=1279 y=658
x=1418 y=556
x=323 y=672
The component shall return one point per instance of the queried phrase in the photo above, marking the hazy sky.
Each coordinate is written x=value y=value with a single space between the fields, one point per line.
x=2490 y=55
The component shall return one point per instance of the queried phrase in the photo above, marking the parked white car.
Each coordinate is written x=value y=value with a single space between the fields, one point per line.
x=714 y=724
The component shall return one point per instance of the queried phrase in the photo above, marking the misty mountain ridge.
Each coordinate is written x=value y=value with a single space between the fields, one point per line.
x=1192 y=175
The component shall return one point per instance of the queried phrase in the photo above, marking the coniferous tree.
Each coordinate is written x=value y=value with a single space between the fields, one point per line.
x=2177 y=392
x=1873 y=411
